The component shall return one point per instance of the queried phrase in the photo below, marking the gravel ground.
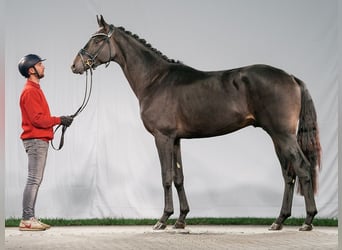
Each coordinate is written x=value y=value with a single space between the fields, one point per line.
x=193 y=237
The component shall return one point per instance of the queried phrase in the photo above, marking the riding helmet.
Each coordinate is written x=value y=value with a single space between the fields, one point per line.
x=27 y=62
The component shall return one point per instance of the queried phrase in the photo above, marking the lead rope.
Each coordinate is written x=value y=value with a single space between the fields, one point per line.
x=86 y=98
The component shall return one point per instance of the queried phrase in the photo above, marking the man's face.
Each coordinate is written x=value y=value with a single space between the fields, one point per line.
x=40 y=69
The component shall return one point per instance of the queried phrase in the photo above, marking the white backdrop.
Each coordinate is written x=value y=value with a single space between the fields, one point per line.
x=109 y=165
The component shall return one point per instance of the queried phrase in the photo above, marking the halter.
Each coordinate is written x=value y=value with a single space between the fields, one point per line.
x=89 y=62
x=91 y=58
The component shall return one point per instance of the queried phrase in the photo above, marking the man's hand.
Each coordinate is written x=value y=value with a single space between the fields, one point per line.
x=66 y=120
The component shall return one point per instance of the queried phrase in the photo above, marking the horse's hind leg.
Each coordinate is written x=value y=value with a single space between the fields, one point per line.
x=289 y=181
x=294 y=163
x=179 y=184
x=306 y=186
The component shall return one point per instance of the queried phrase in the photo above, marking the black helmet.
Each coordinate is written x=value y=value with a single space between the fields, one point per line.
x=27 y=62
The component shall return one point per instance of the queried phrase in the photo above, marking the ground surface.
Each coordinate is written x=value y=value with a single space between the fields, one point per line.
x=193 y=237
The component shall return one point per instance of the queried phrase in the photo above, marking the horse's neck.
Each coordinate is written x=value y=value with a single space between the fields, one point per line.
x=139 y=64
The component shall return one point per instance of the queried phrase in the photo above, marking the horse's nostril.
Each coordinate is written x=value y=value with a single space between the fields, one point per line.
x=73 y=68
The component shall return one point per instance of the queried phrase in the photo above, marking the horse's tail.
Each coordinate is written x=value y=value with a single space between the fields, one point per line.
x=308 y=134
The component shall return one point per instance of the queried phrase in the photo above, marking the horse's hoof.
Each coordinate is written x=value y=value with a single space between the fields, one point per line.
x=179 y=225
x=159 y=226
x=306 y=227
x=276 y=227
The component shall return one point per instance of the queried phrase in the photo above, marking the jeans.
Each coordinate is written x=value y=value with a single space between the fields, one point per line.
x=36 y=150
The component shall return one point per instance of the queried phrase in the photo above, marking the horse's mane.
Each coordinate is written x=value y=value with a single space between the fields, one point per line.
x=149 y=46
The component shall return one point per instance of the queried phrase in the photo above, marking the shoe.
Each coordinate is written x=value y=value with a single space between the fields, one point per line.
x=44 y=225
x=31 y=225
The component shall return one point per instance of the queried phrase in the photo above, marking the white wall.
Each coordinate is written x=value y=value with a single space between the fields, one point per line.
x=2 y=124
x=109 y=165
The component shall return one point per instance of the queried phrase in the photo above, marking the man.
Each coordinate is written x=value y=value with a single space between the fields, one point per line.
x=37 y=124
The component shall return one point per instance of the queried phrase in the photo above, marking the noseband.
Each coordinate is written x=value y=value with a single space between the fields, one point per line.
x=91 y=58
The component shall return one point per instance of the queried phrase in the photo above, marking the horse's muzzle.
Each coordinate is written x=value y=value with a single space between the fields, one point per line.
x=77 y=70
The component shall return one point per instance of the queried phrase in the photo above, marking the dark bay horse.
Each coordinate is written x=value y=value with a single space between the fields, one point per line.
x=177 y=101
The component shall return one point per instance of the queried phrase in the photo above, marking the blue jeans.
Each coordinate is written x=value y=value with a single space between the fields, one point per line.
x=36 y=150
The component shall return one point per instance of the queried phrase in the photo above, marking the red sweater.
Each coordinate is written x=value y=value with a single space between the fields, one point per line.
x=37 y=122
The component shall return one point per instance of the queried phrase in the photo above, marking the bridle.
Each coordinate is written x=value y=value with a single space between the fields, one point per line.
x=91 y=58
x=90 y=63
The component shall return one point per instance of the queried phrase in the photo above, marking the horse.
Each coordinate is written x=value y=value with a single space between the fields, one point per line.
x=179 y=102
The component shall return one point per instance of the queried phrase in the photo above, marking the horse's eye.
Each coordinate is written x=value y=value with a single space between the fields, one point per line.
x=97 y=40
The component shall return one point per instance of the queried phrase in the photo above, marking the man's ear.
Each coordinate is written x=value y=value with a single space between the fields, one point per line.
x=31 y=71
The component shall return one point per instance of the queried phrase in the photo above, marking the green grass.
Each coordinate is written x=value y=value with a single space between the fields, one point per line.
x=14 y=222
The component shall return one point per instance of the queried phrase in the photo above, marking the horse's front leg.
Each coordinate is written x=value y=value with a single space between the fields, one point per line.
x=165 y=150
x=179 y=184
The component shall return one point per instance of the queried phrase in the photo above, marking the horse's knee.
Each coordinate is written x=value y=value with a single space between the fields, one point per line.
x=178 y=183
x=167 y=185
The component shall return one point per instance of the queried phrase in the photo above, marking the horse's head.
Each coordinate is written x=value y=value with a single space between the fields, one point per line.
x=98 y=50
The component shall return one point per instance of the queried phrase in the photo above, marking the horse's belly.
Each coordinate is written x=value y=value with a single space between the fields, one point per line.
x=215 y=125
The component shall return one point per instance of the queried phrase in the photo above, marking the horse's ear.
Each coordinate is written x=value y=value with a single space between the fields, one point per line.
x=101 y=21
